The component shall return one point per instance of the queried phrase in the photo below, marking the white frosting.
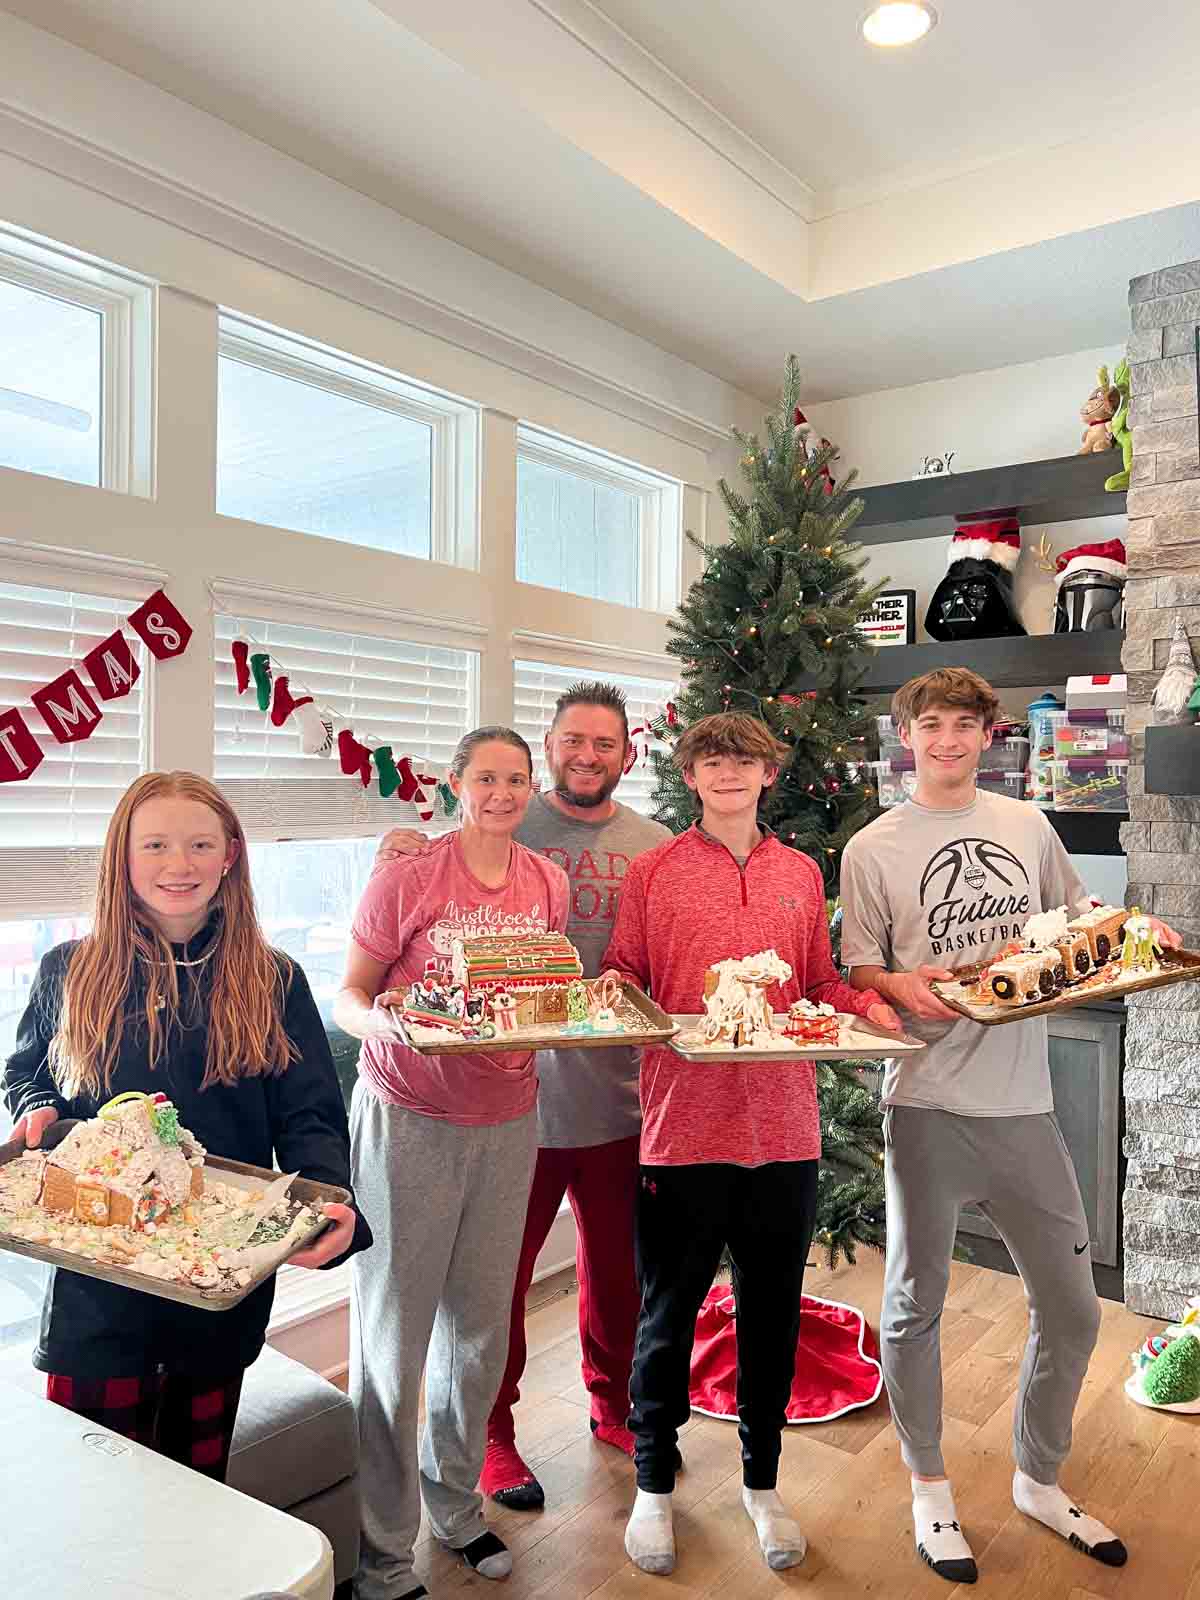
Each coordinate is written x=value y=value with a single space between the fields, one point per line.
x=1098 y=914
x=739 y=1000
x=1139 y=927
x=810 y=1008
x=1045 y=928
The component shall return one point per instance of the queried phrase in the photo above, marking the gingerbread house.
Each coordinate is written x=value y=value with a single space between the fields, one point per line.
x=532 y=969
x=126 y=1167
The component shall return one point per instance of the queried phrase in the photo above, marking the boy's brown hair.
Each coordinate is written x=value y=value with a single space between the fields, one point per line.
x=956 y=687
x=729 y=733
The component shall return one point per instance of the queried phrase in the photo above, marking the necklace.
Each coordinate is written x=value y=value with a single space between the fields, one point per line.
x=160 y=1003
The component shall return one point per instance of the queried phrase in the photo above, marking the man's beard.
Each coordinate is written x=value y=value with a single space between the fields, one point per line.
x=585 y=802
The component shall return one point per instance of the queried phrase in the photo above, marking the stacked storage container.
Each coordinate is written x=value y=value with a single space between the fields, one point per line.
x=1091 y=760
x=1001 y=769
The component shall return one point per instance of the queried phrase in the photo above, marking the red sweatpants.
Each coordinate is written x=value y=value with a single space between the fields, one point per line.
x=601 y=1182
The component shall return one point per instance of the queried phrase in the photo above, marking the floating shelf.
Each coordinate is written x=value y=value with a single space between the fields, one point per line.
x=1064 y=489
x=1041 y=661
x=1089 y=833
x=1173 y=759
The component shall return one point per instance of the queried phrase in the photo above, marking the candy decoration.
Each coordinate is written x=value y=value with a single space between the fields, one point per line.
x=284 y=702
x=260 y=666
x=240 y=652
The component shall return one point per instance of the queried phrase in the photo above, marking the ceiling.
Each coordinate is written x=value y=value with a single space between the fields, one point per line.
x=732 y=181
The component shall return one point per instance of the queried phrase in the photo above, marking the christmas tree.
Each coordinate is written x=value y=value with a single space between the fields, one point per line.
x=770 y=628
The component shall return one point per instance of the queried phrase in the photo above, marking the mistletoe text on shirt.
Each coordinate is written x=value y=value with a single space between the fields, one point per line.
x=470 y=922
x=596 y=877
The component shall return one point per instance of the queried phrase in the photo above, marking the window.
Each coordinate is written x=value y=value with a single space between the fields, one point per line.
x=592 y=525
x=419 y=698
x=74 y=367
x=320 y=443
x=67 y=801
x=537 y=686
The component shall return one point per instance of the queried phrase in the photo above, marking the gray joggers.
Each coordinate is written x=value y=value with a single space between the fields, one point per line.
x=1019 y=1172
x=447 y=1205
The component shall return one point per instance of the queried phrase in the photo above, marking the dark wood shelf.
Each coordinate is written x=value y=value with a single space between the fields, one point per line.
x=1089 y=833
x=1061 y=490
x=1041 y=661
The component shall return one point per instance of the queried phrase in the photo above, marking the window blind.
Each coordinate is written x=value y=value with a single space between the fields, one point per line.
x=418 y=698
x=537 y=686
x=53 y=822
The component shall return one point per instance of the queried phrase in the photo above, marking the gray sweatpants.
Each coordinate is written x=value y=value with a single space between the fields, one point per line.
x=1019 y=1172
x=447 y=1206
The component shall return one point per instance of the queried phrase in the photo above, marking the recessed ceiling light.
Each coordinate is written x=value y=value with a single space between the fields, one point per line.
x=898 y=22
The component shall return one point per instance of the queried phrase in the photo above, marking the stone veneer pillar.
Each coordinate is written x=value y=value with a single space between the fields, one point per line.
x=1162 y=837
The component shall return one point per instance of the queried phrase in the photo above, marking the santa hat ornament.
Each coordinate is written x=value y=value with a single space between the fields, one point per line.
x=1090 y=580
x=975 y=598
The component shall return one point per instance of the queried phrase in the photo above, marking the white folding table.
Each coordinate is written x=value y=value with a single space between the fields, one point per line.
x=90 y=1516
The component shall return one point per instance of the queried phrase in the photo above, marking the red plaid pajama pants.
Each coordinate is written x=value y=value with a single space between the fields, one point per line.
x=188 y=1419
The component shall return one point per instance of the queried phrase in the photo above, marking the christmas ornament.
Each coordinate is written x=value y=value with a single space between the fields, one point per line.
x=1090 y=580
x=111 y=667
x=284 y=702
x=240 y=652
x=389 y=778
x=67 y=708
x=975 y=598
x=1174 y=688
x=354 y=757
x=161 y=627
x=20 y=753
x=260 y=666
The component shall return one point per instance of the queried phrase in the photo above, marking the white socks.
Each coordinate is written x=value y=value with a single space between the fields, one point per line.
x=783 y=1545
x=650 y=1533
x=939 y=1539
x=1050 y=1505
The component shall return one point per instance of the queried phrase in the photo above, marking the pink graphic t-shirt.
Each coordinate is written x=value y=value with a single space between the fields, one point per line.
x=411 y=911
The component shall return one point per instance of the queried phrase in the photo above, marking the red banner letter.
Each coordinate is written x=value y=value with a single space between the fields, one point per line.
x=20 y=753
x=67 y=709
x=162 y=626
x=111 y=667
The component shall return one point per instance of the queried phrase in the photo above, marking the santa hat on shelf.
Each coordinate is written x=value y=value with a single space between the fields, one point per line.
x=997 y=541
x=1108 y=557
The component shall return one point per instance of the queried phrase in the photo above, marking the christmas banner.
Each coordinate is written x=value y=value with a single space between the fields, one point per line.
x=70 y=709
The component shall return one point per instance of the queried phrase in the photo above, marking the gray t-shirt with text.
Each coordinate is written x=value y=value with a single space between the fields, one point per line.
x=946 y=888
x=588 y=1097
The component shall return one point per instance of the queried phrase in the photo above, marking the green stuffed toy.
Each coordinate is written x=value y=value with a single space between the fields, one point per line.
x=1174 y=1377
x=1120 y=429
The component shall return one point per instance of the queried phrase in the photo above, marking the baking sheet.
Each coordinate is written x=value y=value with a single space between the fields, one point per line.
x=1179 y=966
x=649 y=1025
x=860 y=1041
x=235 y=1173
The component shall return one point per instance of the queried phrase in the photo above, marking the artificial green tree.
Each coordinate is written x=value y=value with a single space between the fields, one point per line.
x=769 y=627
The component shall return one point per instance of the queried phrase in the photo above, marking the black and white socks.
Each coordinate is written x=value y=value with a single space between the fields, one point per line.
x=939 y=1539
x=1050 y=1505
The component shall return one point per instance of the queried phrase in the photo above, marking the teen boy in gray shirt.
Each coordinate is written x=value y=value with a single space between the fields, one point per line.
x=589 y=1117
x=934 y=884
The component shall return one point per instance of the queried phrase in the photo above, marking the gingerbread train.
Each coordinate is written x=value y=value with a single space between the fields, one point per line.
x=1056 y=953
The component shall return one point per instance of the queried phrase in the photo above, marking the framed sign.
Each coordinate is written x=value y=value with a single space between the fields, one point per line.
x=892 y=619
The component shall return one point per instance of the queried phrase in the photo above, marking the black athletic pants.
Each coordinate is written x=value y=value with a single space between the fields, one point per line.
x=685 y=1218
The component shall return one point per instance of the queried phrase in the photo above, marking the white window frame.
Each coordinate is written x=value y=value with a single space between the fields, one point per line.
x=125 y=302
x=660 y=502
x=455 y=423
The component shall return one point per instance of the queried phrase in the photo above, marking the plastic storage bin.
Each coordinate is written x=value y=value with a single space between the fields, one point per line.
x=896 y=780
x=1095 y=734
x=1010 y=783
x=1006 y=755
x=1091 y=784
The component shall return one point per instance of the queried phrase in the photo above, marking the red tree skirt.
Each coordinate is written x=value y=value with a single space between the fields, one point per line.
x=837 y=1360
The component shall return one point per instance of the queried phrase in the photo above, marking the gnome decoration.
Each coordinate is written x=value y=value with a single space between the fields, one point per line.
x=1174 y=688
x=975 y=598
x=1090 y=580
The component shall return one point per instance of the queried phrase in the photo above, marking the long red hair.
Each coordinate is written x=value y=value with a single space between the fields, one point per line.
x=246 y=1036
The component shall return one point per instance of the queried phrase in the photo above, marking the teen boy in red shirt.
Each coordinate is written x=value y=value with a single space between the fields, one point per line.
x=729 y=1151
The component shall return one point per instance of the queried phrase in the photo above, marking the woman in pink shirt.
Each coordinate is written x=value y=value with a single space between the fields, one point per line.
x=443 y=1149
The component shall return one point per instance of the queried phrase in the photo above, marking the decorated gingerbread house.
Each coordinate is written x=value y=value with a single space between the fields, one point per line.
x=126 y=1167
x=533 y=970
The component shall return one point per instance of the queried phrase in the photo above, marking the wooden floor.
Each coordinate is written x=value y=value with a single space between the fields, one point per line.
x=1137 y=1470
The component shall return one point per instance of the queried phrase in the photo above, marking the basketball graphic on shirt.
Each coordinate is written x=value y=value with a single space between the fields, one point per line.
x=975 y=893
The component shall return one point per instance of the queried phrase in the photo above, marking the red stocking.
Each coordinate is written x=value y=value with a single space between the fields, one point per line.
x=241 y=664
x=355 y=757
x=284 y=702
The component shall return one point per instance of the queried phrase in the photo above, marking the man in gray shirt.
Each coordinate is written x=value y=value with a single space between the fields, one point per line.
x=937 y=883
x=588 y=1110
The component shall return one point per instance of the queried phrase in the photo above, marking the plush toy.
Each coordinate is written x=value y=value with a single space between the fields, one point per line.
x=1120 y=429
x=1096 y=414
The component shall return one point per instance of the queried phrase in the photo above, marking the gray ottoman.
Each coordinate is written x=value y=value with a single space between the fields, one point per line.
x=295 y=1447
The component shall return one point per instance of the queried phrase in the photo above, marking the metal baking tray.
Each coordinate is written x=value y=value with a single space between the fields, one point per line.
x=303 y=1189
x=1179 y=966
x=656 y=1027
x=867 y=1041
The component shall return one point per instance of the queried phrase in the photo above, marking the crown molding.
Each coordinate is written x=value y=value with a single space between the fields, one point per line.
x=588 y=24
